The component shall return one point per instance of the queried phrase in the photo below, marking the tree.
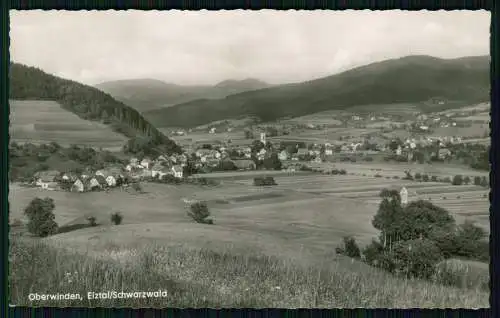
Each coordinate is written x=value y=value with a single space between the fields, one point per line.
x=256 y=146
x=477 y=180
x=40 y=213
x=199 y=212
x=457 y=180
x=467 y=180
x=116 y=218
x=248 y=134
x=272 y=162
x=469 y=240
x=350 y=248
x=414 y=258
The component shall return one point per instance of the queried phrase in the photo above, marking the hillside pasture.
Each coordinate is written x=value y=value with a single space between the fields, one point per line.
x=39 y=121
x=476 y=130
x=396 y=109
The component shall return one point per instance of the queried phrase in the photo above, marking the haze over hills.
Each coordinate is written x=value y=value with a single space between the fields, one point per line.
x=149 y=94
x=411 y=79
x=89 y=103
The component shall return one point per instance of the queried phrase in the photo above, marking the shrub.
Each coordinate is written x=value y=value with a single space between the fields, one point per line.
x=425 y=178
x=378 y=176
x=477 y=180
x=434 y=178
x=408 y=176
x=446 y=180
x=457 y=180
x=40 y=213
x=351 y=248
x=116 y=218
x=484 y=182
x=462 y=274
x=199 y=212
x=418 y=176
x=414 y=258
x=264 y=181
x=342 y=172
x=92 y=221
x=395 y=177
x=467 y=180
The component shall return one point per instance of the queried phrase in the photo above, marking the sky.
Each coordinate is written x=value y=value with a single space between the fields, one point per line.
x=206 y=47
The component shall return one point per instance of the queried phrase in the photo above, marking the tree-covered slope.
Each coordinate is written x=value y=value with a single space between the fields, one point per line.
x=412 y=79
x=30 y=83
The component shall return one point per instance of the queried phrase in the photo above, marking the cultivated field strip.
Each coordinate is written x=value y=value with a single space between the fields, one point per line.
x=46 y=121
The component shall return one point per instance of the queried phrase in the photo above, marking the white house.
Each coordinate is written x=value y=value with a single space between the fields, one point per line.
x=328 y=151
x=111 y=181
x=93 y=183
x=212 y=131
x=177 y=171
x=404 y=195
x=399 y=151
x=77 y=186
x=261 y=154
x=146 y=162
x=46 y=179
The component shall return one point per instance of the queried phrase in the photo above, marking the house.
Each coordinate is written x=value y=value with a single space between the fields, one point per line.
x=177 y=171
x=111 y=180
x=261 y=154
x=202 y=153
x=328 y=151
x=101 y=172
x=212 y=131
x=403 y=193
x=93 y=184
x=399 y=150
x=283 y=155
x=47 y=179
x=77 y=186
x=444 y=153
x=161 y=158
x=302 y=152
x=244 y=164
x=101 y=180
x=216 y=154
x=69 y=177
x=134 y=161
x=146 y=162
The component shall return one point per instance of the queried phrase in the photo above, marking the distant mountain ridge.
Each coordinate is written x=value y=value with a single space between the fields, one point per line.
x=149 y=94
x=411 y=79
x=30 y=83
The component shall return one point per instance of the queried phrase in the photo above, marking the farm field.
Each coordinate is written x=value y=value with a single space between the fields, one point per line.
x=476 y=130
x=396 y=109
x=397 y=169
x=237 y=137
x=466 y=201
x=39 y=121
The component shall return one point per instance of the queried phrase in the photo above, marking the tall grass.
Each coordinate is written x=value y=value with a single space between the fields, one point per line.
x=203 y=278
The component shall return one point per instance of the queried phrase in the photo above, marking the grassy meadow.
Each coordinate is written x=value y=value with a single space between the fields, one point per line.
x=38 y=121
x=269 y=247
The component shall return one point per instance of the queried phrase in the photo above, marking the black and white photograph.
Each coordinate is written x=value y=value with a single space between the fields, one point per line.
x=249 y=159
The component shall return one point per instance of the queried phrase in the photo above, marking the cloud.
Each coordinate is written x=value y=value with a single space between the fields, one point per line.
x=205 y=47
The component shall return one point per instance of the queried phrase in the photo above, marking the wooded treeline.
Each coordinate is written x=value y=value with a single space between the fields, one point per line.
x=30 y=83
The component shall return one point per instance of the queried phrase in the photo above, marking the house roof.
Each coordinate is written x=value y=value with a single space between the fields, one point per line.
x=157 y=166
x=302 y=151
x=100 y=179
x=177 y=168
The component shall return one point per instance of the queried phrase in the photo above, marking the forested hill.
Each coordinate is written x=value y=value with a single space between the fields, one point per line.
x=30 y=83
x=412 y=79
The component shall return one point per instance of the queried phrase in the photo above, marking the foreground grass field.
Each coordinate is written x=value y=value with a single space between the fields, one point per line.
x=39 y=121
x=206 y=278
x=269 y=247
